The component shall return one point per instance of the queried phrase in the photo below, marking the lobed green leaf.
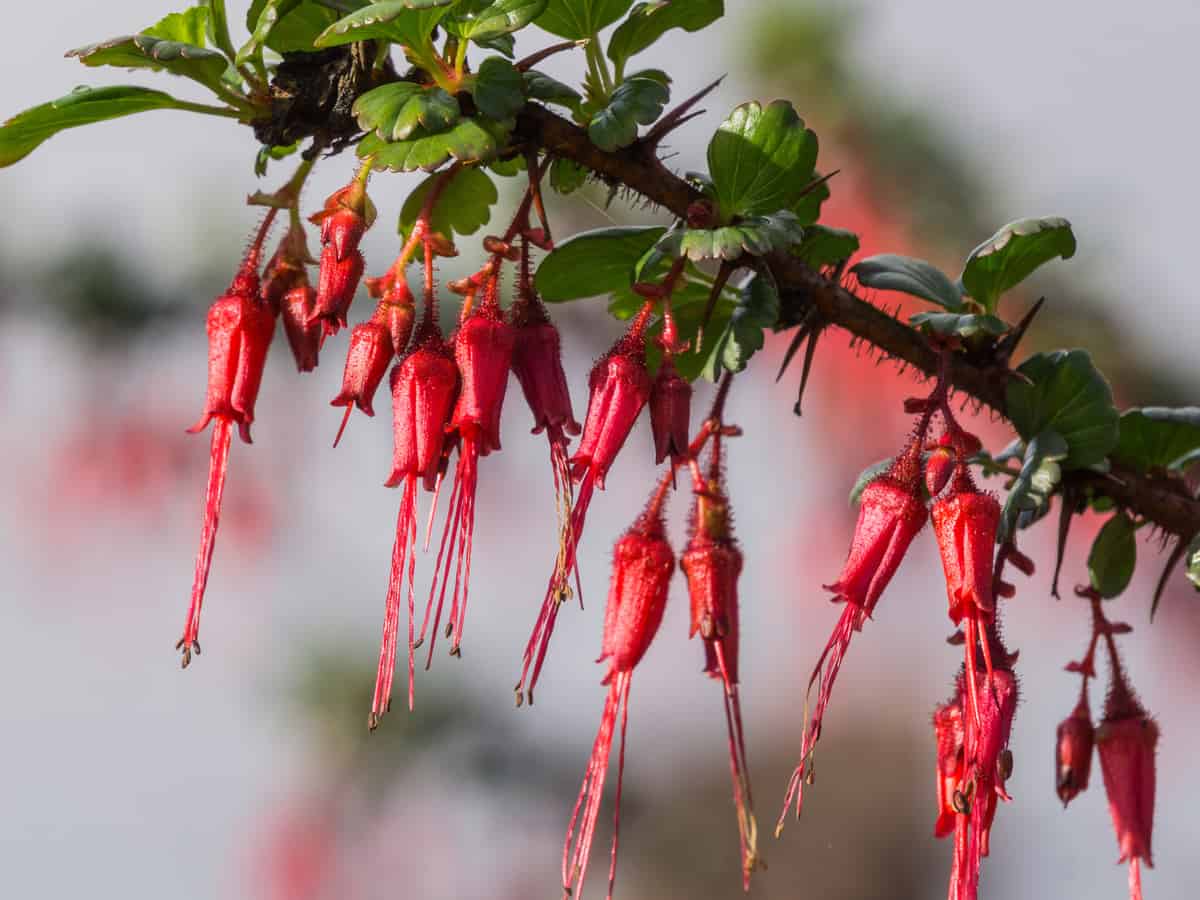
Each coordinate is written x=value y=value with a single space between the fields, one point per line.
x=638 y=100
x=578 y=19
x=407 y=22
x=395 y=111
x=1029 y=497
x=647 y=22
x=1159 y=437
x=469 y=140
x=963 y=325
x=594 y=262
x=463 y=207
x=761 y=159
x=1064 y=392
x=496 y=19
x=823 y=246
x=498 y=88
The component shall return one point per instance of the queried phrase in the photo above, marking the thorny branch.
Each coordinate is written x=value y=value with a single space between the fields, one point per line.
x=637 y=167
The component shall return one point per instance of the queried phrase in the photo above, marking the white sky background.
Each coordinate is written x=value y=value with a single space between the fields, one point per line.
x=1084 y=110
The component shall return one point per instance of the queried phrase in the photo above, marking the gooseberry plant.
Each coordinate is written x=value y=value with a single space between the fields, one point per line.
x=437 y=86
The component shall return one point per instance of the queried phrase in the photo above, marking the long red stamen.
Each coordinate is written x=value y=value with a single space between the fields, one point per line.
x=826 y=671
x=218 y=464
x=743 y=800
x=405 y=527
x=455 y=550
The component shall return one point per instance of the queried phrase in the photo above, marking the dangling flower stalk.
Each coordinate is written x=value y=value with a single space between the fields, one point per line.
x=424 y=385
x=712 y=564
x=240 y=327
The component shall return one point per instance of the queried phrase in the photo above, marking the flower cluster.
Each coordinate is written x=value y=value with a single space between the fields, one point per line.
x=1126 y=740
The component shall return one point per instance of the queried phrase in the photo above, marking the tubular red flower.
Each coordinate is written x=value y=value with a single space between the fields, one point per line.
x=335 y=288
x=619 y=387
x=483 y=350
x=891 y=513
x=367 y=360
x=1126 y=740
x=643 y=564
x=304 y=335
x=949 y=735
x=240 y=326
x=965 y=524
x=670 y=412
x=1074 y=741
x=712 y=564
x=424 y=385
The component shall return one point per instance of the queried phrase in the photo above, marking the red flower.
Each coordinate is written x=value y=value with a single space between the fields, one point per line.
x=483 y=349
x=304 y=335
x=643 y=564
x=891 y=513
x=1074 y=741
x=965 y=524
x=537 y=363
x=949 y=734
x=424 y=385
x=240 y=327
x=347 y=214
x=712 y=564
x=1126 y=740
x=619 y=387
x=670 y=412
x=396 y=309
x=366 y=362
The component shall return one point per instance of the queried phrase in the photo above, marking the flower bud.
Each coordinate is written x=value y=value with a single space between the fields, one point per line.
x=537 y=363
x=643 y=564
x=366 y=363
x=1074 y=741
x=304 y=334
x=670 y=412
x=938 y=469
x=336 y=287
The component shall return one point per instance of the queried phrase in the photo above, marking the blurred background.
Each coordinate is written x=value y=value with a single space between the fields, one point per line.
x=252 y=774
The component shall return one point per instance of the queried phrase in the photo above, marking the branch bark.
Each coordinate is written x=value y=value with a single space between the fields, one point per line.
x=1160 y=500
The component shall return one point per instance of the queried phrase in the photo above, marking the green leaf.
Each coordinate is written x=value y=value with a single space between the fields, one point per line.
x=1114 y=556
x=866 y=476
x=498 y=88
x=808 y=207
x=636 y=101
x=1159 y=437
x=824 y=246
x=21 y=134
x=964 y=325
x=892 y=272
x=463 y=207
x=594 y=262
x=496 y=19
x=218 y=27
x=150 y=51
x=761 y=159
x=266 y=154
x=757 y=310
x=647 y=22
x=395 y=111
x=1192 y=561
x=1009 y=256
x=470 y=140
x=507 y=168
x=298 y=30
x=567 y=175
x=271 y=12
x=539 y=86
x=1067 y=394
x=187 y=27
x=407 y=22
x=578 y=19
x=756 y=235
x=1029 y=496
